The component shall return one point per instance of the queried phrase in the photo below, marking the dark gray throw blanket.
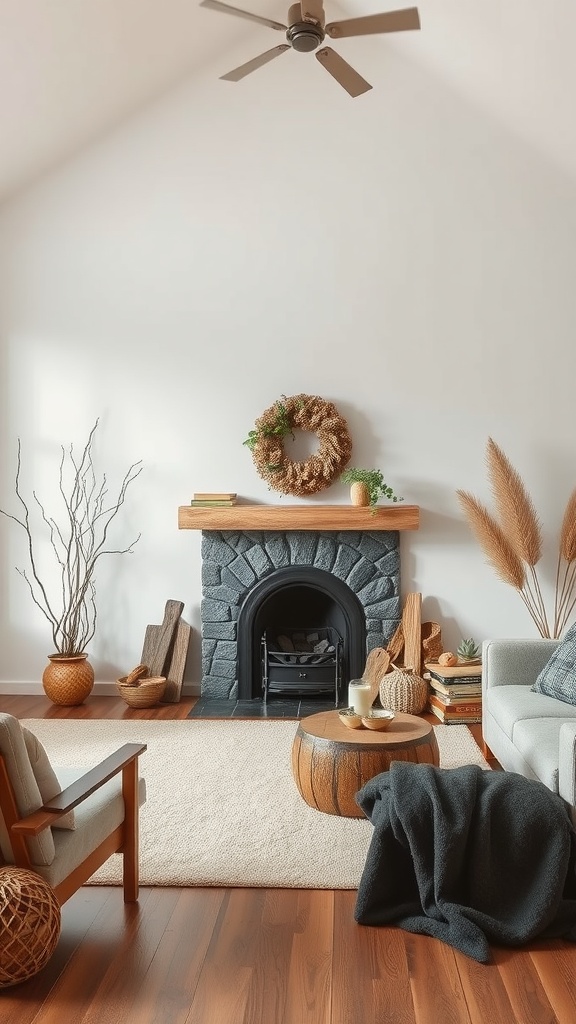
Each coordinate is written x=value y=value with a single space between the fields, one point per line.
x=469 y=856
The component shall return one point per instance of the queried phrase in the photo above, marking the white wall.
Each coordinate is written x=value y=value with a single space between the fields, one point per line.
x=408 y=255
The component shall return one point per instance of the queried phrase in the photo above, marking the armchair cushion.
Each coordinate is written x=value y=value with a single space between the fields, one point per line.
x=46 y=778
x=26 y=792
x=558 y=677
x=96 y=818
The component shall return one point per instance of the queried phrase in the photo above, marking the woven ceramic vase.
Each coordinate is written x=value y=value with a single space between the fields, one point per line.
x=359 y=493
x=403 y=690
x=68 y=680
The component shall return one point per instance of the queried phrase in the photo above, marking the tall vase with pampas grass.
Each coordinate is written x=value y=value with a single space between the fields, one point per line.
x=512 y=542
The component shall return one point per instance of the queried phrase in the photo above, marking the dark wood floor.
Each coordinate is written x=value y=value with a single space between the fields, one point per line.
x=267 y=956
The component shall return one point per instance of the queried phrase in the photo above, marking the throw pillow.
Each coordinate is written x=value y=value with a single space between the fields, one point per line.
x=558 y=677
x=46 y=778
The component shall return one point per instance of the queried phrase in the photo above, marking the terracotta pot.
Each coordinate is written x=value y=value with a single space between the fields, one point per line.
x=359 y=493
x=68 y=680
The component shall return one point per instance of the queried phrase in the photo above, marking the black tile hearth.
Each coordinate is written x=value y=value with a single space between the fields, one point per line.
x=210 y=707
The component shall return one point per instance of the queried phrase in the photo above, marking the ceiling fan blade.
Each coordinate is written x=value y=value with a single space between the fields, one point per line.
x=215 y=5
x=312 y=10
x=349 y=79
x=391 y=21
x=253 y=65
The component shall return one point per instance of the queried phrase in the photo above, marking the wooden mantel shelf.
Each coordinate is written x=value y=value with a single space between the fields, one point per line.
x=299 y=517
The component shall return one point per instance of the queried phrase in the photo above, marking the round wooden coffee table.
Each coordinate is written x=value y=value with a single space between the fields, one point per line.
x=330 y=762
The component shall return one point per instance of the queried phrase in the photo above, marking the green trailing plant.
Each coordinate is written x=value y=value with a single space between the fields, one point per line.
x=468 y=650
x=374 y=482
x=512 y=542
x=78 y=539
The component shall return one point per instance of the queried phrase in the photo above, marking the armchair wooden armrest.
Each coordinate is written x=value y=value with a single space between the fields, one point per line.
x=78 y=791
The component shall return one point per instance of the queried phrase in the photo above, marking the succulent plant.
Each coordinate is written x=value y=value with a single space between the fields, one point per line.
x=469 y=650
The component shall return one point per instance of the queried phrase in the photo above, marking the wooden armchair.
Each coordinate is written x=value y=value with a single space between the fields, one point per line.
x=65 y=832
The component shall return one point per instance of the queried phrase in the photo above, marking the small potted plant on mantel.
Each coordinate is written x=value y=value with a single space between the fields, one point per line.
x=367 y=486
x=67 y=599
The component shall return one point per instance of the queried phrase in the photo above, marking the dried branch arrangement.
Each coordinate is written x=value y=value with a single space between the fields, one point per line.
x=78 y=541
x=512 y=542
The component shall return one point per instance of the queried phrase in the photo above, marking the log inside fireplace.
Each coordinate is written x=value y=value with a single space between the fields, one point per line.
x=302 y=662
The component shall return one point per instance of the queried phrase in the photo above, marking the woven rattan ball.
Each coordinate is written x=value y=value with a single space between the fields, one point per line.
x=403 y=690
x=29 y=924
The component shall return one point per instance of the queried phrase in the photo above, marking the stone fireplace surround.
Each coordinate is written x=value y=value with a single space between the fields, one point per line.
x=234 y=564
x=356 y=549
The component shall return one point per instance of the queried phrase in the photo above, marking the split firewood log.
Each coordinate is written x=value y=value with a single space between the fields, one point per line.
x=133 y=678
x=377 y=664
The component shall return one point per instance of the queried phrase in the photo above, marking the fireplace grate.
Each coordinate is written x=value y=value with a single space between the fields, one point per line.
x=302 y=661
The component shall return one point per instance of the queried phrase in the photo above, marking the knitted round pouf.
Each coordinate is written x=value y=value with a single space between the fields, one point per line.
x=29 y=924
x=403 y=690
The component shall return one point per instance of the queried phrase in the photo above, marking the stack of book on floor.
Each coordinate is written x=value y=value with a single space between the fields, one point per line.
x=455 y=692
x=210 y=499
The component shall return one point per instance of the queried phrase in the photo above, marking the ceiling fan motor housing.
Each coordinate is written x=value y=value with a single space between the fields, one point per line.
x=303 y=36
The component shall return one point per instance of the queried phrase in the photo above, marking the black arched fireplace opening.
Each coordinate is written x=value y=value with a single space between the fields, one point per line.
x=300 y=604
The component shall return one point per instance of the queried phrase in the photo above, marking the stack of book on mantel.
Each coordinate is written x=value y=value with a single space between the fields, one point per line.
x=210 y=499
x=455 y=692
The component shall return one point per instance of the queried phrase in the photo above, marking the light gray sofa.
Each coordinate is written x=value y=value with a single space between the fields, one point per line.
x=527 y=732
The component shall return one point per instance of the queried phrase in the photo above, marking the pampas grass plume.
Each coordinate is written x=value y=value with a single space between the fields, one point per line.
x=568 y=533
x=513 y=541
x=501 y=554
x=516 y=512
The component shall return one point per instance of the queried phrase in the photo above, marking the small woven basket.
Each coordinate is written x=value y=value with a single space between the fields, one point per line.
x=403 y=690
x=145 y=694
x=431 y=641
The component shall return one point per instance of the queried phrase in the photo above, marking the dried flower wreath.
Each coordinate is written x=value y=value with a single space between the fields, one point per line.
x=303 y=412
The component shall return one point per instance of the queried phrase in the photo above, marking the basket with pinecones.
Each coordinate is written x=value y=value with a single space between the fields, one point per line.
x=139 y=689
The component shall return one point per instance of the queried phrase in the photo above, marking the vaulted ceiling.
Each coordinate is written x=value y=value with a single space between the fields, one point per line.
x=70 y=70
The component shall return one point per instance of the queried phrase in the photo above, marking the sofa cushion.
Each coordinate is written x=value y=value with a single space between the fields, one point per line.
x=558 y=677
x=511 y=704
x=538 y=741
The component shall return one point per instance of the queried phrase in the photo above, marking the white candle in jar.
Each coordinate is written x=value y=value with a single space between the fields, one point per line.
x=360 y=696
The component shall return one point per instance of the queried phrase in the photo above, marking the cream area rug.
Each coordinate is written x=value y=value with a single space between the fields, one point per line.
x=222 y=807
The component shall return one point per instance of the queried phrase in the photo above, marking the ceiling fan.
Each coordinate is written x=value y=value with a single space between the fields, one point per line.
x=306 y=30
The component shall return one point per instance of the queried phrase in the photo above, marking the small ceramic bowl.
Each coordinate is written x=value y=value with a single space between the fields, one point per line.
x=350 y=719
x=378 y=719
